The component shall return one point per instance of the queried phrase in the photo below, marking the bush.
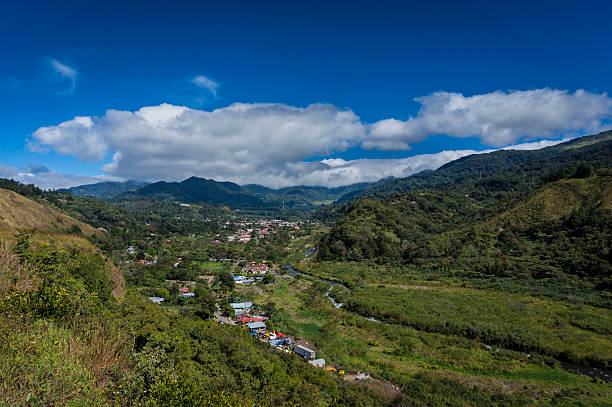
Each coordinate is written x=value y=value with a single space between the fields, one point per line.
x=45 y=302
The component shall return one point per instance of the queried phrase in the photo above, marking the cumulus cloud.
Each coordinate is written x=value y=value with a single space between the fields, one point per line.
x=338 y=172
x=45 y=178
x=497 y=118
x=77 y=137
x=64 y=72
x=206 y=83
x=239 y=142
x=268 y=143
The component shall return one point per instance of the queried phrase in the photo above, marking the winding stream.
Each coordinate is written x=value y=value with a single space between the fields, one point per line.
x=293 y=272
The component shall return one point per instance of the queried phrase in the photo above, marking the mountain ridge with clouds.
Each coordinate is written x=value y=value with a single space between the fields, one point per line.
x=276 y=145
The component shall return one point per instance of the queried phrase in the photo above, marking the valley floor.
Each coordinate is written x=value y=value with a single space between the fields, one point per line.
x=404 y=345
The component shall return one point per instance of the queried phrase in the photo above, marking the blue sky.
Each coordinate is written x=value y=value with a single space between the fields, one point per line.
x=68 y=59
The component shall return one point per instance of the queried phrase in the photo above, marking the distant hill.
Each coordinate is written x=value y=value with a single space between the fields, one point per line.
x=104 y=190
x=201 y=190
x=19 y=212
x=194 y=190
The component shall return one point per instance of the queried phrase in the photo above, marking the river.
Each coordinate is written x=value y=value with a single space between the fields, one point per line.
x=293 y=272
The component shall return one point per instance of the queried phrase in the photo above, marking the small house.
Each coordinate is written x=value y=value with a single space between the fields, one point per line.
x=280 y=341
x=241 y=305
x=156 y=300
x=255 y=326
x=320 y=363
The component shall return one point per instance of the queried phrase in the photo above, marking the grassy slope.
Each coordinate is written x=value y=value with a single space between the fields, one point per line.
x=19 y=212
x=48 y=362
x=560 y=198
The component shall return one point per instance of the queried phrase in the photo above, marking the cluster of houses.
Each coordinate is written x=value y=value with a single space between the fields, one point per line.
x=131 y=250
x=262 y=228
x=257 y=327
x=254 y=268
x=246 y=280
x=185 y=290
x=249 y=270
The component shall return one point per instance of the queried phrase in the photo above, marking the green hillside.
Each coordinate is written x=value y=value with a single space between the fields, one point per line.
x=538 y=221
x=17 y=211
x=561 y=228
x=104 y=190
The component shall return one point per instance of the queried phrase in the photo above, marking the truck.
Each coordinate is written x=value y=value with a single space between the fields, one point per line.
x=304 y=351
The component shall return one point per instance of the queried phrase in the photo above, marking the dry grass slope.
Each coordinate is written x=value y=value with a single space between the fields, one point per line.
x=19 y=212
x=559 y=199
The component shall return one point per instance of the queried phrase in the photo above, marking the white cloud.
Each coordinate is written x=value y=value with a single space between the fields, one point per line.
x=536 y=145
x=78 y=137
x=267 y=143
x=497 y=118
x=64 y=71
x=44 y=178
x=240 y=142
x=206 y=83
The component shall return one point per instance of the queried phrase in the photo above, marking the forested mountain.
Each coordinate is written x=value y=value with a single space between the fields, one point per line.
x=201 y=190
x=105 y=190
x=509 y=172
x=194 y=190
x=536 y=214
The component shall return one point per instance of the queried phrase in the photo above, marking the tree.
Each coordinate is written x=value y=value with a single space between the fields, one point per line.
x=173 y=294
x=207 y=302
x=584 y=170
x=270 y=309
x=226 y=280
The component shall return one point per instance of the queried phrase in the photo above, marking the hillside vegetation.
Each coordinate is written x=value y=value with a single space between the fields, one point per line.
x=493 y=227
x=105 y=190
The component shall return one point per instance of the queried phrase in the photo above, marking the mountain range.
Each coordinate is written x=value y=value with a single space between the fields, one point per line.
x=202 y=190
